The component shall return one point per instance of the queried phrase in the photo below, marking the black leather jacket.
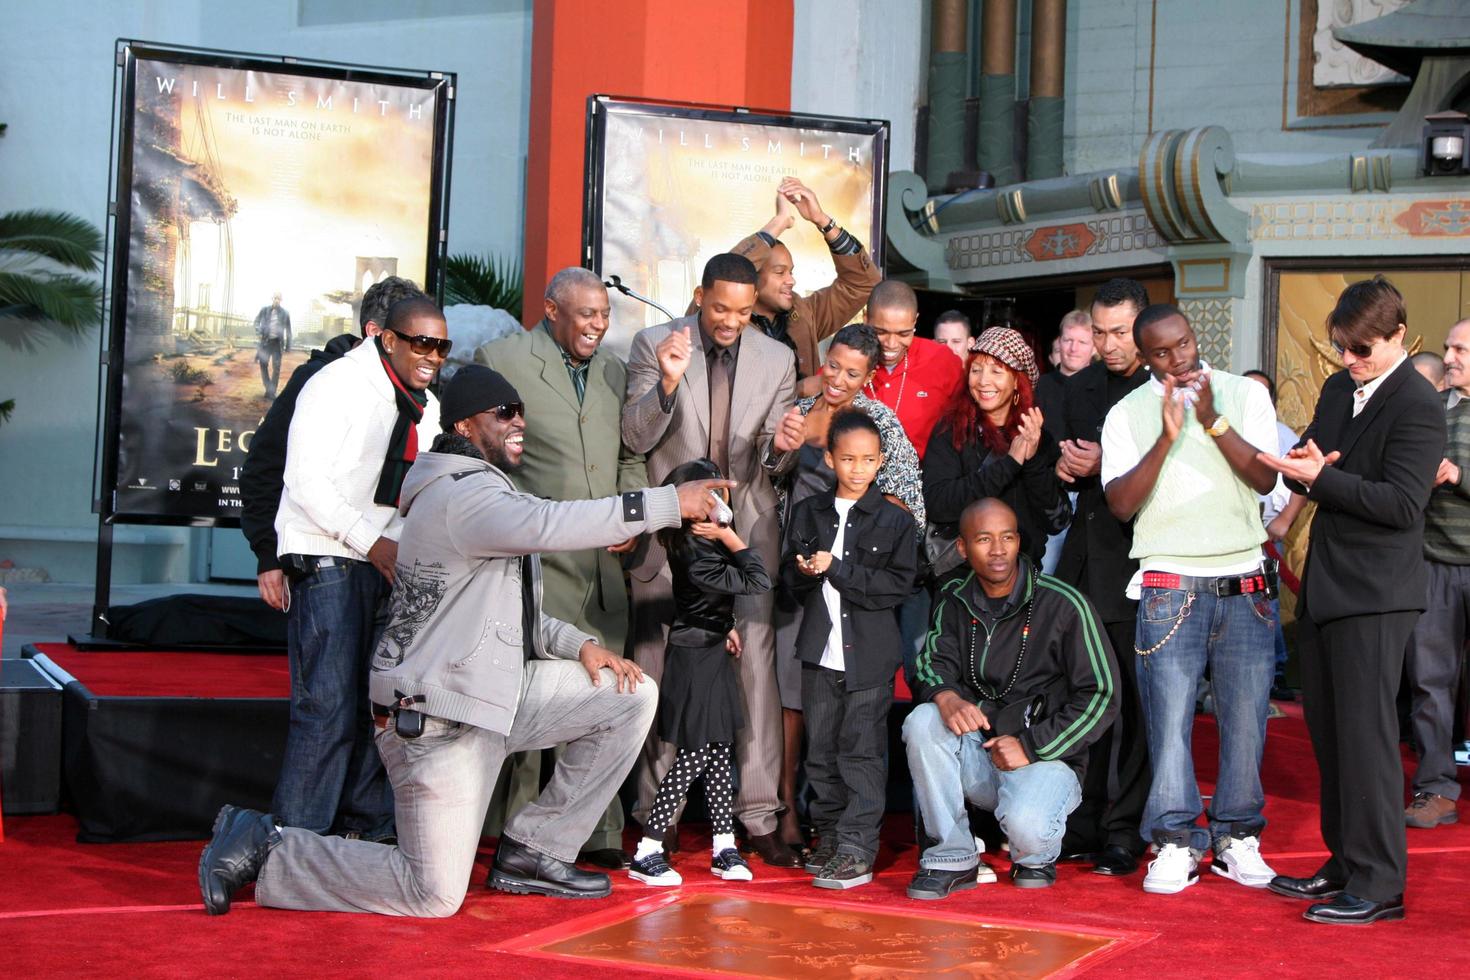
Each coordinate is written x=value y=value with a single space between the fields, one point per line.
x=707 y=578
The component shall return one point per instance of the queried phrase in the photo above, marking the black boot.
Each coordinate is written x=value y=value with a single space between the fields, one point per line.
x=234 y=855
x=523 y=871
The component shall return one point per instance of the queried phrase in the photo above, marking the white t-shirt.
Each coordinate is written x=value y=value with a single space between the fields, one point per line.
x=1120 y=454
x=832 y=657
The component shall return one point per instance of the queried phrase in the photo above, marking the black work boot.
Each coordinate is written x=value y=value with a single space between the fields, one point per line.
x=234 y=855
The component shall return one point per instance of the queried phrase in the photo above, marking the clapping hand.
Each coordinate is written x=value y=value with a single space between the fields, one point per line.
x=1079 y=458
x=1173 y=411
x=1447 y=473
x=1028 y=436
x=1303 y=464
x=816 y=565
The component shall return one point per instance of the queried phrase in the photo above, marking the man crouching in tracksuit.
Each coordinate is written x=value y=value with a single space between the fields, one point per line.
x=1016 y=682
x=470 y=669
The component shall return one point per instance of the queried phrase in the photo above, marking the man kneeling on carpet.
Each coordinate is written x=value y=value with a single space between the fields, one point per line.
x=468 y=670
x=1014 y=683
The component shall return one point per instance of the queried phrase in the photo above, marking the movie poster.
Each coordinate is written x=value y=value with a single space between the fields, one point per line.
x=261 y=204
x=674 y=185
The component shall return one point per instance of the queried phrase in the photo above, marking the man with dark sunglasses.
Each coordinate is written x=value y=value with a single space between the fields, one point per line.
x=574 y=390
x=358 y=426
x=471 y=667
x=1369 y=460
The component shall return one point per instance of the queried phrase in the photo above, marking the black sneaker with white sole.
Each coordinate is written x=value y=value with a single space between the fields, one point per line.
x=729 y=865
x=817 y=859
x=653 y=869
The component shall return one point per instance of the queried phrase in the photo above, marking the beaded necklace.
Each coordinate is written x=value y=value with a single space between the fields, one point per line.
x=1020 y=656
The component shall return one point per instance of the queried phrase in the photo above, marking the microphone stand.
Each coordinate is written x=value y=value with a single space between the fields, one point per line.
x=613 y=282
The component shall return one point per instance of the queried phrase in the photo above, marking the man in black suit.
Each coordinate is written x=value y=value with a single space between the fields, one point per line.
x=1368 y=460
x=1095 y=560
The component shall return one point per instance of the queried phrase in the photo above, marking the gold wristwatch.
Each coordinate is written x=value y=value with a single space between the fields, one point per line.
x=1221 y=426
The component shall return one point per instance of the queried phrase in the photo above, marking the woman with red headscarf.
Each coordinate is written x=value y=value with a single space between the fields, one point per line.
x=992 y=445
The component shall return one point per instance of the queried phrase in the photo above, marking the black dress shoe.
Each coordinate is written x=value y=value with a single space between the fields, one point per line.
x=234 y=855
x=611 y=858
x=1317 y=888
x=1350 y=910
x=1115 y=860
x=522 y=871
x=773 y=851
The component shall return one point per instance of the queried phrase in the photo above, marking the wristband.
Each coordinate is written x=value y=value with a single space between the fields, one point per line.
x=831 y=223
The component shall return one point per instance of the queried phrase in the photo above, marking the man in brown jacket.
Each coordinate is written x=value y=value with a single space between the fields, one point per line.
x=803 y=322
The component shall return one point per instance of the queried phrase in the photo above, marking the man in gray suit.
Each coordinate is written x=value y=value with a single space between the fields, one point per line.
x=703 y=385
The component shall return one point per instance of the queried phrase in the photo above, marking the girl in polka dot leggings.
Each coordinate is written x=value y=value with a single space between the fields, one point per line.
x=699 y=695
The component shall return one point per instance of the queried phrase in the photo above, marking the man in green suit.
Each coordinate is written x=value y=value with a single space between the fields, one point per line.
x=574 y=393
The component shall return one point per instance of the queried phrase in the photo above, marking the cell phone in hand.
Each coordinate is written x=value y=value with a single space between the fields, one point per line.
x=721 y=513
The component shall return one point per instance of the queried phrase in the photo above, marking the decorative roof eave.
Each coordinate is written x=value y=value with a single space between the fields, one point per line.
x=1401 y=39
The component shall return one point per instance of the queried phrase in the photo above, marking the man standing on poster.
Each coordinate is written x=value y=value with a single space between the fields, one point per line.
x=357 y=429
x=803 y=322
x=272 y=337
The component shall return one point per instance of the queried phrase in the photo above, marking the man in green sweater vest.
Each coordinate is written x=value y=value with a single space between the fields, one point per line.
x=1174 y=461
x=1437 y=648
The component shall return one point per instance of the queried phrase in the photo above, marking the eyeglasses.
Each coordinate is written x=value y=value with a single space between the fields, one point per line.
x=1357 y=350
x=509 y=411
x=422 y=344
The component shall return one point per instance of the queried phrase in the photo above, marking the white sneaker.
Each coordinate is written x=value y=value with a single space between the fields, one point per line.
x=1175 y=869
x=984 y=873
x=1240 y=861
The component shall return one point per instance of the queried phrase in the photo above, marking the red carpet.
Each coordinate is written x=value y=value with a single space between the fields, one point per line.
x=133 y=909
x=173 y=675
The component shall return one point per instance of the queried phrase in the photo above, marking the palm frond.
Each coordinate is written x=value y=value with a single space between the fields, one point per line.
x=69 y=301
x=62 y=238
x=6 y=407
x=485 y=281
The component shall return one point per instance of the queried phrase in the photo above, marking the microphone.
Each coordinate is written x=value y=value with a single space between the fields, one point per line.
x=613 y=282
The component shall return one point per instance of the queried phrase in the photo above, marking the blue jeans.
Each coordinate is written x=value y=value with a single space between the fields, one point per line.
x=1031 y=803
x=1234 y=636
x=913 y=628
x=331 y=777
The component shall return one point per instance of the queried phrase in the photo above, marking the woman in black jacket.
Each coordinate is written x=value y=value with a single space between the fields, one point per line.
x=993 y=445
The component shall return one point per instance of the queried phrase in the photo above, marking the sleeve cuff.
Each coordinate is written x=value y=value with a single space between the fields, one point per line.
x=660 y=505
x=665 y=402
x=845 y=244
x=569 y=643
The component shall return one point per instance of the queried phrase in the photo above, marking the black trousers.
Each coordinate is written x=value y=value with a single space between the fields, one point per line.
x=846 y=758
x=1350 y=670
x=1116 y=784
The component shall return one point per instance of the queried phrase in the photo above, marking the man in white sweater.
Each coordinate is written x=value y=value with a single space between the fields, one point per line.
x=359 y=424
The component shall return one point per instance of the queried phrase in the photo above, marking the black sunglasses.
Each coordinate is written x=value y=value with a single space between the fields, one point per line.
x=1357 y=350
x=423 y=344
x=509 y=411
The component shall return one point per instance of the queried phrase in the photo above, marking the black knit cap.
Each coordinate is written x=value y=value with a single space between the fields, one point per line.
x=473 y=389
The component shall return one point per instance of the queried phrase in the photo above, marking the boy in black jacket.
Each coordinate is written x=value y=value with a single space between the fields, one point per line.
x=851 y=558
x=1016 y=682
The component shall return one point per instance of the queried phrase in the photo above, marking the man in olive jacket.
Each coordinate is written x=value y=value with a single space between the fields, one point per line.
x=574 y=390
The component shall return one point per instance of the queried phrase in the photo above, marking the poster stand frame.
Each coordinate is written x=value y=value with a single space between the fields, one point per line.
x=117 y=235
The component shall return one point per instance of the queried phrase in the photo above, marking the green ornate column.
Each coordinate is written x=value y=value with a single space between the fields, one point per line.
x=997 y=130
x=947 y=70
x=1048 y=88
